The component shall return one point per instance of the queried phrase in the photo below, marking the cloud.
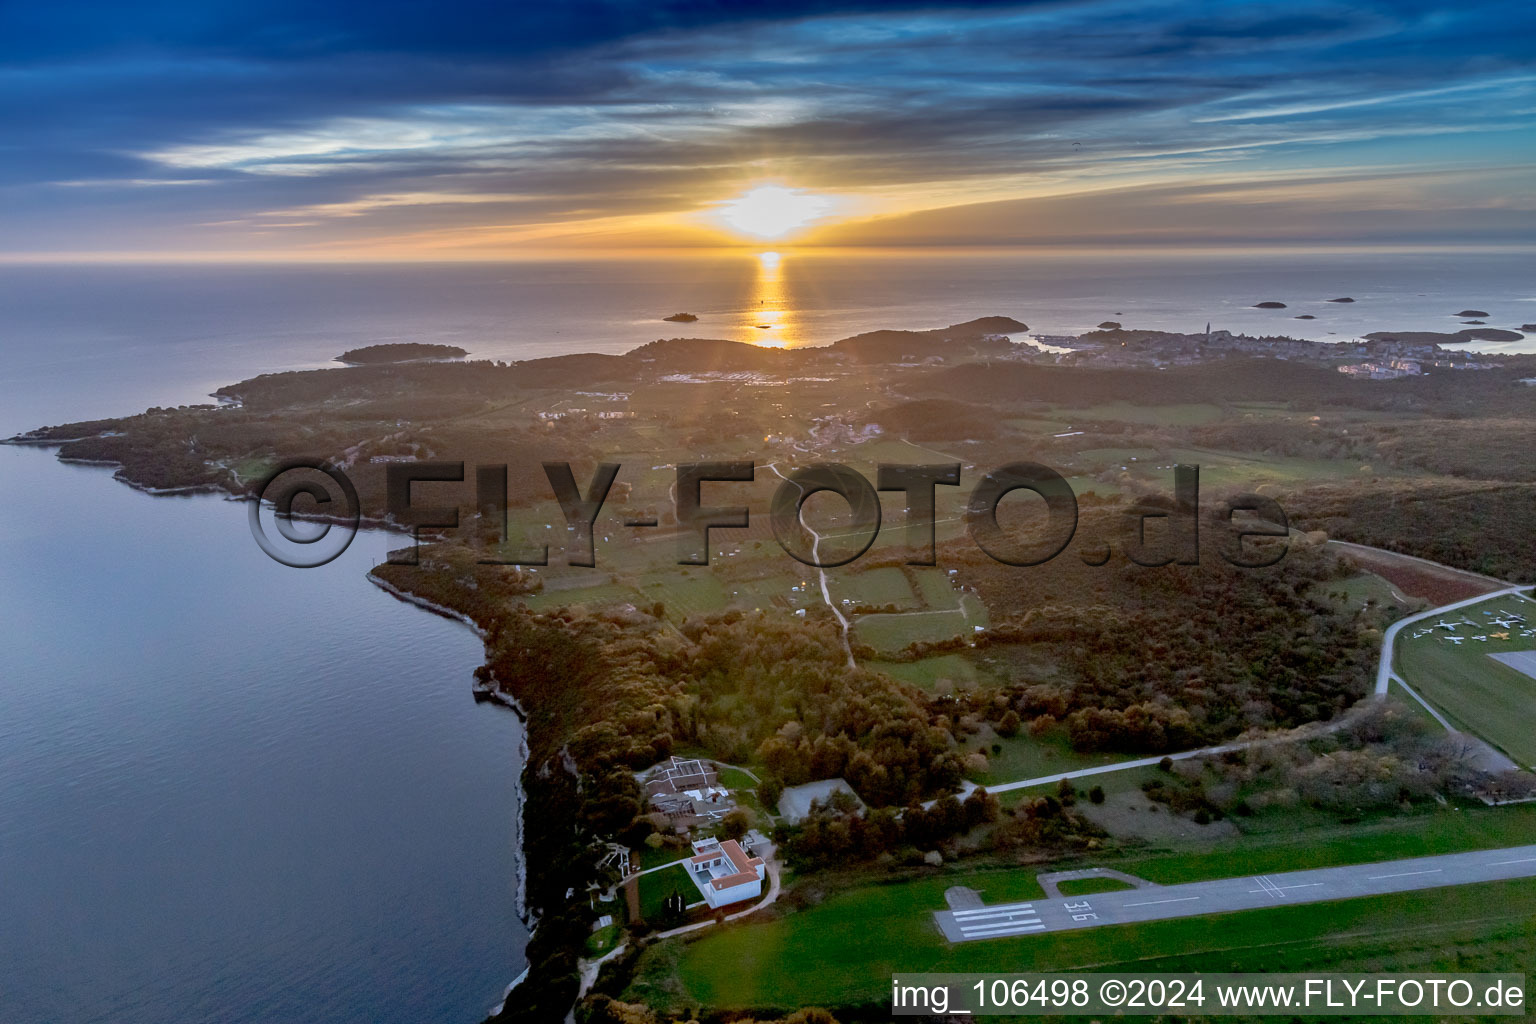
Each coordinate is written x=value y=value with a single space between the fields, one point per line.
x=347 y=121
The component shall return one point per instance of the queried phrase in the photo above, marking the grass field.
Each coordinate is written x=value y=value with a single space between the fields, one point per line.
x=756 y=964
x=1479 y=694
x=1027 y=757
x=943 y=673
x=882 y=586
x=1186 y=415
x=893 y=632
x=658 y=885
x=1474 y=927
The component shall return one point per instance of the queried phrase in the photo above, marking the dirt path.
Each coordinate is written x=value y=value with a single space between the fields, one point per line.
x=632 y=895
x=826 y=595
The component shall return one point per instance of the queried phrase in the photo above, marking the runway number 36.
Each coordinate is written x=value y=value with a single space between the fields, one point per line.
x=1081 y=911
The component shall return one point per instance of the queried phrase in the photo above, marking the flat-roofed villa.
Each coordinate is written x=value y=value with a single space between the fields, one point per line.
x=725 y=873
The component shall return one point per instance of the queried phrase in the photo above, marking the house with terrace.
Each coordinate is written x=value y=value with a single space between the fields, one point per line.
x=725 y=873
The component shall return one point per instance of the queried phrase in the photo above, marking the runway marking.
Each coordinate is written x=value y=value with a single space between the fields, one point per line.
x=1404 y=874
x=1268 y=887
x=998 y=931
x=1000 y=912
x=1522 y=860
x=999 y=909
x=1153 y=903
x=1302 y=885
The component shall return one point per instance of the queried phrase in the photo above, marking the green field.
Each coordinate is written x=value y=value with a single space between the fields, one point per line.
x=1028 y=757
x=769 y=962
x=1477 y=693
x=1473 y=927
x=658 y=885
x=943 y=673
x=894 y=632
x=935 y=588
x=1185 y=415
x=886 y=585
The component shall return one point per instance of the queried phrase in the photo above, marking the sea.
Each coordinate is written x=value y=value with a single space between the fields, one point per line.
x=236 y=791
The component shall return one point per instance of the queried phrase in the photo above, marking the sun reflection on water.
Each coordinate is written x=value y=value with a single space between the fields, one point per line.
x=770 y=314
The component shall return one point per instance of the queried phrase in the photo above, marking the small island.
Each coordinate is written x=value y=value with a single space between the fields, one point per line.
x=680 y=318
x=1269 y=305
x=1109 y=325
x=1473 y=312
x=1345 y=298
x=403 y=352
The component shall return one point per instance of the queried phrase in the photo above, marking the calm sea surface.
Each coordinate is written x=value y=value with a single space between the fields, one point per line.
x=235 y=791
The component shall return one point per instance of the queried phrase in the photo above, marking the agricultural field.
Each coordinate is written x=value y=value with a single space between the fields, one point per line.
x=1475 y=691
x=894 y=632
x=878 y=587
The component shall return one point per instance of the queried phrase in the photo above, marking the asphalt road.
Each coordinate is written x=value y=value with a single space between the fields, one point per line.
x=1224 y=895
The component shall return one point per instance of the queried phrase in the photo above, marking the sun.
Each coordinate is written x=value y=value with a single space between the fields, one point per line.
x=773 y=211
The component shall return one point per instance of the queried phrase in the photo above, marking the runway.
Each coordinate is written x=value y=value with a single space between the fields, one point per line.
x=1225 y=895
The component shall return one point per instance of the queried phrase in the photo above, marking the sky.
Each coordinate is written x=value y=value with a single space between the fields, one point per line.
x=408 y=130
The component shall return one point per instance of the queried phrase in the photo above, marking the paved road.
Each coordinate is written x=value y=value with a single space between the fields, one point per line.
x=1224 y=895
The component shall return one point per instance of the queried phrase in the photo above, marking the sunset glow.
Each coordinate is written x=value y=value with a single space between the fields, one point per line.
x=773 y=211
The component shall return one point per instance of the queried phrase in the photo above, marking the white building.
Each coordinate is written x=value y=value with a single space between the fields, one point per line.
x=724 y=873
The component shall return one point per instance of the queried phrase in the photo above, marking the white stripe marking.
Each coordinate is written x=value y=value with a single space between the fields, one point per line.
x=1404 y=874
x=987 y=911
x=1153 y=903
x=990 y=933
x=1522 y=860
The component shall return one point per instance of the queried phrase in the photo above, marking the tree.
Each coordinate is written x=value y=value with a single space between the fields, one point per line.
x=1096 y=794
x=1009 y=725
x=735 y=824
x=1066 y=792
x=769 y=792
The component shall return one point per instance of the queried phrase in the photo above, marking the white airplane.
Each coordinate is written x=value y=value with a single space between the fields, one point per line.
x=1454 y=639
x=1481 y=639
x=1506 y=621
x=1442 y=624
x=1528 y=632
x=1421 y=632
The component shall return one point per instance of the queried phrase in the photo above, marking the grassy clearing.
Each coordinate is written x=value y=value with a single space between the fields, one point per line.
x=936 y=589
x=785 y=962
x=1028 y=757
x=894 y=632
x=658 y=885
x=593 y=596
x=883 y=586
x=1185 y=415
x=648 y=857
x=1484 y=696
x=944 y=673
x=684 y=593
x=602 y=940
x=1089 y=886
